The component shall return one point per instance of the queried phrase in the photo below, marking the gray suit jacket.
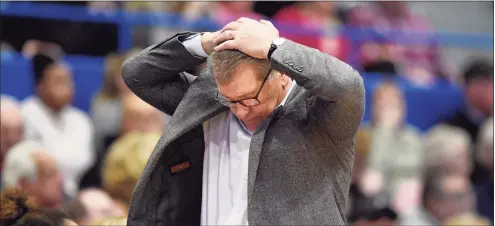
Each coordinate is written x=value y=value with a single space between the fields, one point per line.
x=300 y=158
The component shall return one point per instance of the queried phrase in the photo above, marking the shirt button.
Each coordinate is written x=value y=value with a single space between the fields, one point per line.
x=245 y=178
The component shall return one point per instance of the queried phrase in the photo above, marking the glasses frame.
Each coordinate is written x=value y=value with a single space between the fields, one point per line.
x=228 y=103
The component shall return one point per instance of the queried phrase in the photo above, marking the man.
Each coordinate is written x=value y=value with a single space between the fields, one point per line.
x=28 y=166
x=478 y=92
x=282 y=155
x=65 y=131
x=444 y=196
x=90 y=205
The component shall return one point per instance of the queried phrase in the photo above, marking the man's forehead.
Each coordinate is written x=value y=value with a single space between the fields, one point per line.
x=241 y=85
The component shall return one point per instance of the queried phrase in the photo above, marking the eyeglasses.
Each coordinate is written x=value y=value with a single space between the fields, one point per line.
x=248 y=102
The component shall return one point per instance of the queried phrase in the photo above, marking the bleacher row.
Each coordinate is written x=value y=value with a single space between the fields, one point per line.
x=425 y=106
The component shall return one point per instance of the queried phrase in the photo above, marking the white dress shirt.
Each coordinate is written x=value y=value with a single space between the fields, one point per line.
x=225 y=164
x=67 y=135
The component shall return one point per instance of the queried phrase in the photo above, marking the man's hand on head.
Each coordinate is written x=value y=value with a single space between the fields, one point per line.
x=249 y=36
x=207 y=41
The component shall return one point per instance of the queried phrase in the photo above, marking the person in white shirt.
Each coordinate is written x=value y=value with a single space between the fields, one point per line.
x=65 y=131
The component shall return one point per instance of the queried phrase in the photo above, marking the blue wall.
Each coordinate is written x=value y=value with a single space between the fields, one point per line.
x=426 y=106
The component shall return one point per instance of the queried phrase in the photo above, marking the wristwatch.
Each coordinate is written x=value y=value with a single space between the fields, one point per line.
x=275 y=44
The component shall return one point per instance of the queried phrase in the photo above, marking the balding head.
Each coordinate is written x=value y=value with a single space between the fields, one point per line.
x=139 y=116
x=92 y=204
x=11 y=124
x=30 y=167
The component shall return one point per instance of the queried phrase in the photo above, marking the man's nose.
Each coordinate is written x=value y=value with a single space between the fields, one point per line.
x=241 y=111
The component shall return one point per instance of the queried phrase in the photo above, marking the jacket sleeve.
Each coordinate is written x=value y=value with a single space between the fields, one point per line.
x=339 y=89
x=156 y=74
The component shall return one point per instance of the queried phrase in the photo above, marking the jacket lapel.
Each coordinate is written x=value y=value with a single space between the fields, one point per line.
x=258 y=138
x=197 y=106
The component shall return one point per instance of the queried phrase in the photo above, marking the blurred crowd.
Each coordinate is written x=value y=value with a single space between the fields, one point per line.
x=62 y=166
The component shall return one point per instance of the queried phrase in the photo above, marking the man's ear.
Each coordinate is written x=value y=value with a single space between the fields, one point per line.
x=284 y=78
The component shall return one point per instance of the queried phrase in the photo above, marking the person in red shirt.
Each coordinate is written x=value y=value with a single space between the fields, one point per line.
x=303 y=21
x=418 y=59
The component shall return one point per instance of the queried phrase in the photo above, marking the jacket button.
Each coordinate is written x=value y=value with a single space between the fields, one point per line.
x=290 y=64
x=284 y=61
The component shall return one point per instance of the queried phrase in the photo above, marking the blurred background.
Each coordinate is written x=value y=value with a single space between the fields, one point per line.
x=74 y=138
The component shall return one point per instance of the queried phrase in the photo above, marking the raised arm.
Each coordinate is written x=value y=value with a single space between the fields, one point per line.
x=157 y=75
x=339 y=89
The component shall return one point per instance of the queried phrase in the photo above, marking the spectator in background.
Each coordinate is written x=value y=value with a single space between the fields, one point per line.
x=419 y=60
x=139 y=116
x=106 y=105
x=359 y=204
x=311 y=17
x=396 y=152
x=447 y=151
x=135 y=116
x=106 y=114
x=444 y=196
x=124 y=163
x=19 y=209
x=484 y=156
x=90 y=205
x=145 y=35
x=65 y=131
x=30 y=167
x=478 y=93
x=11 y=126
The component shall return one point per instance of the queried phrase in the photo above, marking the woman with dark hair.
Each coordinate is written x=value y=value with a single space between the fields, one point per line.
x=50 y=119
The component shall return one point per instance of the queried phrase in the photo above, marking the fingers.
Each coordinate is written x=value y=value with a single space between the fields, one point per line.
x=231 y=26
x=245 y=20
x=266 y=22
x=224 y=36
x=231 y=44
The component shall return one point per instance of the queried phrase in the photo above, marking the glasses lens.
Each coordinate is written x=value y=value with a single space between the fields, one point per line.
x=250 y=102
